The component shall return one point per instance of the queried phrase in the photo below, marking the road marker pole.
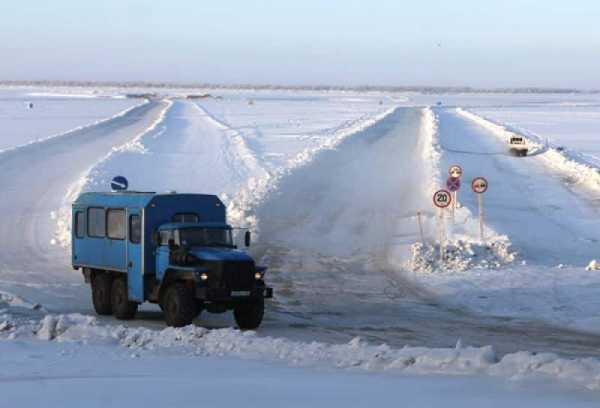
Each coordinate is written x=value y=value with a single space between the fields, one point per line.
x=480 y=197
x=455 y=193
x=420 y=222
x=480 y=186
x=442 y=235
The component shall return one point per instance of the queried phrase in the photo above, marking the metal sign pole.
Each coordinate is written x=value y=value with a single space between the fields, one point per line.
x=442 y=235
x=454 y=205
x=480 y=200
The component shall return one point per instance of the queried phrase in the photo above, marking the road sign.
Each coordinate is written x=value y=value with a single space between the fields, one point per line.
x=455 y=171
x=442 y=198
x=453 y=184
x=479 y=185
x=119 y=183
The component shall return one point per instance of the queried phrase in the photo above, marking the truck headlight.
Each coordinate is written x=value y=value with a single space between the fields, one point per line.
x=258 y=276
x=204 y=276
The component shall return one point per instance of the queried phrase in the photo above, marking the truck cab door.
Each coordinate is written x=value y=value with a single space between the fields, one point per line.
x=135 y=245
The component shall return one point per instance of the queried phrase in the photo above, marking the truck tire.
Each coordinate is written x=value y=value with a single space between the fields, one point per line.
x=179 y=305
x=248 y=316
x=101 y=288
x=122 y=308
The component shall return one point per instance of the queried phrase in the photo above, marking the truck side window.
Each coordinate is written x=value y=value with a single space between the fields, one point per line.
x=164 y=237
x=96 y=222
x=135 y=229
x=186 y=217
x=79 y=224
x=115 y=220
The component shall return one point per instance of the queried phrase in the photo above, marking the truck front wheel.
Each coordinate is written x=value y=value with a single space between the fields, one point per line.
x=121 y=306
x=179 y=305
x=248 y=316
x=101 y=288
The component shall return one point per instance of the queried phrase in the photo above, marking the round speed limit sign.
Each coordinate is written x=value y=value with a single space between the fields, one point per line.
x=442 y=198
x=455 y=171
x=479 y=185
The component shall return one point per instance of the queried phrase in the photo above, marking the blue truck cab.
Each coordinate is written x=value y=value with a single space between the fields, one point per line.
x=173 y=249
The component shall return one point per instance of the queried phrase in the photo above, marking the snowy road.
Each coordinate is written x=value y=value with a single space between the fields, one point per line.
x=331 y=229
x=331 y=232
x=35 y=180
x=547 y=223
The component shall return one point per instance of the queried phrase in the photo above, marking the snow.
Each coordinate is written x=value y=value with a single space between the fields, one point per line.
x=97 y=376
x=353 y=357
x=570 y=165
x=546 y=230
x=52 y=117
x=333 y=183
x=575 y=126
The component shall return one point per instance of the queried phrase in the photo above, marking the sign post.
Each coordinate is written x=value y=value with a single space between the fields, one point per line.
x=442 y=199
x=480 y=186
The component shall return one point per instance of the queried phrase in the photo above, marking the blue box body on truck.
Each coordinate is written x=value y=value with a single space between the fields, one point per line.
x=172 y=249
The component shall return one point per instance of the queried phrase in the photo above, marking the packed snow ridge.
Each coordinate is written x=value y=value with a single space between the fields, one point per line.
x=241 y=208
x=63 y=219
x=354 y=355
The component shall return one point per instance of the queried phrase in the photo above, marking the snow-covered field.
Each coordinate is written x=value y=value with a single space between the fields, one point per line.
x=51 y=116
x=332 y=183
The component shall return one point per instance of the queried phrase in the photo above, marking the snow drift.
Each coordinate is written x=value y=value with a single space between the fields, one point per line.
x=354 y=355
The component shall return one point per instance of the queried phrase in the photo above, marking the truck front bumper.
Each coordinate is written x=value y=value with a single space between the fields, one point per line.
x=224 y=294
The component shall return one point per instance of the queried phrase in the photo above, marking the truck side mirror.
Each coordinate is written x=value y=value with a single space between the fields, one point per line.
x=247 y=238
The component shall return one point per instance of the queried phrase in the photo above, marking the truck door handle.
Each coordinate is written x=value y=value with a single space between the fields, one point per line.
x=130 y=264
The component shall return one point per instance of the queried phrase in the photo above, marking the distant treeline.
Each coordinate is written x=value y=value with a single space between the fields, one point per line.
x=361 y=88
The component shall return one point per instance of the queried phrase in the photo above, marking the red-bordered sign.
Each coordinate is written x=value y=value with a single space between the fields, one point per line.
x=479 y=185
x=453 y=184
x=455 y=171
x=442 y=198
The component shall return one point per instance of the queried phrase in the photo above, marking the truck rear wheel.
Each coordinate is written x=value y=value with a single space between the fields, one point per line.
x=121 y=306
x=248 y=316
x=179 y=305
x=101 y=288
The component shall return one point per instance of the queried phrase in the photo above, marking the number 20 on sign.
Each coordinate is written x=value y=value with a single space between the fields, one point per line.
x=442 y=198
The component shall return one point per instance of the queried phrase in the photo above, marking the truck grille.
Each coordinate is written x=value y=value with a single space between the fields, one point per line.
x=238 y=275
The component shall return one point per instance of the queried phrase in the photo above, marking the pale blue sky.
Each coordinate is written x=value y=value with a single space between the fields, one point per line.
x=456 y=42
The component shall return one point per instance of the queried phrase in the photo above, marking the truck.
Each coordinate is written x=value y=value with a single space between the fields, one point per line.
x=176 y=250
x=517 y=146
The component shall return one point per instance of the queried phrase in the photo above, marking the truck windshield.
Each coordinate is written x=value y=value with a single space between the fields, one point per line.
x=205 y=237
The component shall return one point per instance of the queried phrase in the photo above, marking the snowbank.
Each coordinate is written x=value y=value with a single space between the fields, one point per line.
x=63 y=216
x=460 y=256
x=432 y=151
x=241 y=208
x=354 y=355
